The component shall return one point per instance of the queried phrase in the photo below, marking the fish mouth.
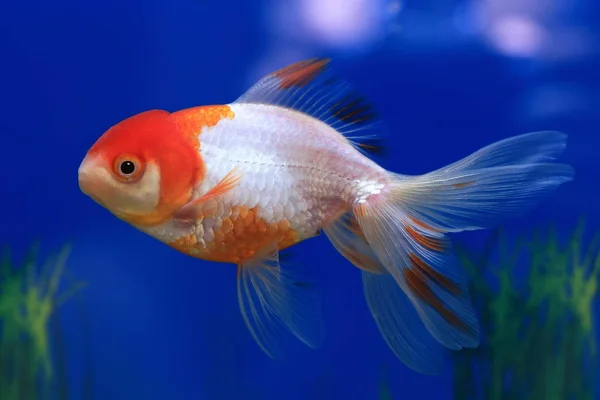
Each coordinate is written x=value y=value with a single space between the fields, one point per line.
x=88 y=190
x=87 y=177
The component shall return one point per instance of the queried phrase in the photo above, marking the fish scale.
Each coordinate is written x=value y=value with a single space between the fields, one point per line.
x=305 y=185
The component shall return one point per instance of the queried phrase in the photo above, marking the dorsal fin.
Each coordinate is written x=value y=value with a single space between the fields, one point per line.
x=310 y=87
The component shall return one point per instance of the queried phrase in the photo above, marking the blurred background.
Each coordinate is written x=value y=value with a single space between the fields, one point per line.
x=118 y=315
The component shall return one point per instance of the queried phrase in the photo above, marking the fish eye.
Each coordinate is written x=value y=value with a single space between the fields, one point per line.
x=127 y=167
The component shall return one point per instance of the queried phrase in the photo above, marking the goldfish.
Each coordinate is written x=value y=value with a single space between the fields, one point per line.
x=239 y=183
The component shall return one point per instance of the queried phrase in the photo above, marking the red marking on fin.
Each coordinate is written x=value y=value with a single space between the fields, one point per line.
x=428 y=242
x=371 y=148
x=463 y=184
x=419 y=276
x=423 y=225
x=353 y=109
x=300 y=73
x=311 y=87
x=195 y=208
x=444 y=281
x=360 y=259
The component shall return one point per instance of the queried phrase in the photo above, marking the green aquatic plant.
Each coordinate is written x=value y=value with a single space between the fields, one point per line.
x=539 y=334
x=29 y=297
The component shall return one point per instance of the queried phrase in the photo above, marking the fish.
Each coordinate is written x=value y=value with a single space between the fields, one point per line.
x=239 y=183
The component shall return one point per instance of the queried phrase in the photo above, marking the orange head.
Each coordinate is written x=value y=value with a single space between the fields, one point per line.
x=142 y=169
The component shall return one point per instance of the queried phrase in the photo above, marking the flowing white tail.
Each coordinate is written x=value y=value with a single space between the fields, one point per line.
x=414 y=286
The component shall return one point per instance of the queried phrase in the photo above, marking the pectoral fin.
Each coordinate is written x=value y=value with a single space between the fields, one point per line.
x=205 y=204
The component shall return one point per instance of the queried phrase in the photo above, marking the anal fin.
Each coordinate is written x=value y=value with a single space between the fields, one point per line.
x=424 y=266
x=404 y=302
x=347 y=237
x=400 y=324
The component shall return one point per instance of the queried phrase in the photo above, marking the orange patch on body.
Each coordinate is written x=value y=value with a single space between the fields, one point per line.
x=300 y=73
x=239 y=237
x=193 y=120
x=419 y=277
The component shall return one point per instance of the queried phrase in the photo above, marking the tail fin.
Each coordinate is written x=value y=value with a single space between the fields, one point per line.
x=500 y=181
x=404 y=229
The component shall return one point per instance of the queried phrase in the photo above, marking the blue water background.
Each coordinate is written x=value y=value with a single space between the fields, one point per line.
x=447 y=76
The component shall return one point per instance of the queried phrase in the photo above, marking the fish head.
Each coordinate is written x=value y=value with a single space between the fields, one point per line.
x=142 y=169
